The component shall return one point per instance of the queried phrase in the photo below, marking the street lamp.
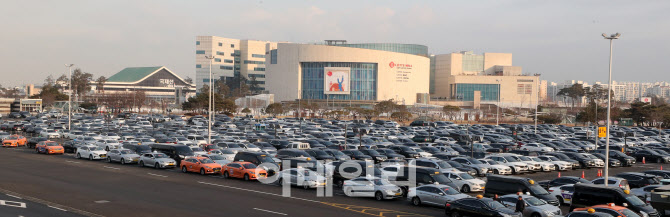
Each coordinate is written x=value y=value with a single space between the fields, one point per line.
x=537 y=101
x=209 y=114
x=498 y=104
x=69 y=98
x=609 y=107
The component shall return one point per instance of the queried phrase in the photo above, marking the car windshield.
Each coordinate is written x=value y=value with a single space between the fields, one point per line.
x=628 y=213
x=251 y=146
x=533 y=201
x=450 y=191
x=197 y=149
x=227 y=151
x=51 y=144
x=233 y=146
x=199 y=138
x=475 y=161
x=97 y=149
x=492 y=162
x=536 y=159
x=160 y=156
x=206 y=161
x=635 y=201
x=372 y=152
x=444 y=165
x=552 y=158
x=265 y=159
x=337 y=153
x=440 y=178
x=216 y=157
x=466 y=176
x=381 y=182
x=249 y=166
x=495 y=205
x=510 y=159
x=127 y=152
x=537 y=190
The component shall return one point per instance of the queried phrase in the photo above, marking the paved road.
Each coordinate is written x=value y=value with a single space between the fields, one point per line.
x=103 y=189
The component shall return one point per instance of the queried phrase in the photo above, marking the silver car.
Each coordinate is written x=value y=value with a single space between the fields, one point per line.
x=157 y=160
x=123 y=156
x=217 y=159
x=434 y=195
x=534 y=206
x=301 y=177
x=378 y=188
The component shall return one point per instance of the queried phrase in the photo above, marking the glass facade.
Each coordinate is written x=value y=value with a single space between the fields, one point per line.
x=431 y=82
x=363 y=80
x=473 y=62
x=199 y=52
x=258 y=55
x=273 y=56
x=466 y=92
x=415 y=49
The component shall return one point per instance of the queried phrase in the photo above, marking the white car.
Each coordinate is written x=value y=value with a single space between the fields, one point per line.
x=558 y=163
x=378 y=188
x=514 y=164
x=108 y=144
x=537 y=147
x=390 y=171
x=197 y=139
x=91 y=152
x=497 y=168
x=599 y=162
x=122 y=156
x=546 y=166
x=301 y=177
x=421 y=152
x=197 y=150
x=563 y=193
x=434 y=195
x=465 y=182
x=251 y=147
x=217 y=159
x=51 y=134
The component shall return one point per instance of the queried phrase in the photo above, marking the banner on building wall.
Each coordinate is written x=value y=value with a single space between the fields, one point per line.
x=336 y=80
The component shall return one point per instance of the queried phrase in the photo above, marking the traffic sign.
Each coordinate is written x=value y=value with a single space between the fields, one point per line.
x=602 y=132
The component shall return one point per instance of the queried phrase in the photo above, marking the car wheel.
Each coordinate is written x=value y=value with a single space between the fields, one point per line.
x=416 y=201
x=455 y=214
x=513 y=170
x=157 y=166
x=141 y=163
x=659 y=160
x=183 y=169
x=535 y=215
x=560 y=201
x=465 y=189
x=349 y=192
x=305 y=186
x=37 y=151
x=379 y=196
x=90 y=157
x=109 y=159
x=496 y=172
x=202 y=171
x=246 y=177
x=123 y=161
x=226 y=175
x=78 y=156
x=340 y=183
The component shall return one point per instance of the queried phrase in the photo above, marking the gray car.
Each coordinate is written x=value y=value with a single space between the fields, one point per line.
x=534 y=206
x=378 y=188
x=157 y=160
x=481 y=168
x=123 y=156
x=434 y=195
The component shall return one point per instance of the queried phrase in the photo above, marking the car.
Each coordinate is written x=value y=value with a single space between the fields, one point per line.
x=586 y=195
x=584 y=161
x=50 y=134
x=534 y=207
x=108 y=144
x=122 y=156
x=624 y=159
x=650 y=156
x=202 y=165
x=502 y=185
x=563 y=193
x=560 y=181
x=478 y=206
x=14 y=141
x=138 y=149
x=558 y=163
x=515 y=165
x=157 y=160
x=644 y=193
x=612 y=181
x=465 y=182
x=589 y=213
x=611 y=209
x=536 y=147
x=246 y=170
x=497 y=168
x=378 y=188
x=301 y=177
x=49 y=147
x=91 y=152
x=221 y=160
x=663 y=174
x=481 y=168
x=638 y=180
x=434 y=195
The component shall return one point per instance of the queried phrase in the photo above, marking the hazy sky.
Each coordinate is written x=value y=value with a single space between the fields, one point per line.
x=559 y=39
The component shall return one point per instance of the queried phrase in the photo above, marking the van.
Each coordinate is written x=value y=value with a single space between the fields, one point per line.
x=587 y=195
x=424 y=176
x=174 y=151
x=501 y=185
x=299 y=145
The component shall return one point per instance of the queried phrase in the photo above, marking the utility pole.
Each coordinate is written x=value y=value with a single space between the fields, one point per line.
x=210 y=113
x=609 y=106
x=69 y=98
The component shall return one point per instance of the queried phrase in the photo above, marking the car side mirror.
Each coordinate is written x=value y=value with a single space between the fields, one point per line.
x=624 y=204
x=441 y=194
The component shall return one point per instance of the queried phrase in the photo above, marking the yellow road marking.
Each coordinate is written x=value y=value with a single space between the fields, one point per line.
x=371 y=211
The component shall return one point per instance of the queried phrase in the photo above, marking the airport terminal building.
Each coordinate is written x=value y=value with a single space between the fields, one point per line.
x=348 y=73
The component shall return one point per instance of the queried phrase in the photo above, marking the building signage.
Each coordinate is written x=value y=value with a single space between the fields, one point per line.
x=645 y=99
x=166 y=82
x=602 y=132
x=403 y=71
x=336 y=80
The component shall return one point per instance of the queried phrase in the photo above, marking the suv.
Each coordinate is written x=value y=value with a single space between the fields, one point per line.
x=424 y=176
x=176 y=152
x=586 y=195
x=638 y=180
x=626 y=160
x=501 y=185
x=351 y=170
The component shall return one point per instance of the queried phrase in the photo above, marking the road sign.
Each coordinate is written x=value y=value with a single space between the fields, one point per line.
x=602 y=132
x=645 y=99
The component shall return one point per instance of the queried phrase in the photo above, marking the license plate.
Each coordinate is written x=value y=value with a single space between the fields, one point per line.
x=398 y=194
x=103 y=155
x=171 y=164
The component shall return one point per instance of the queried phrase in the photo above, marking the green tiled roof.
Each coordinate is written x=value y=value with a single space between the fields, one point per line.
x=132 y=74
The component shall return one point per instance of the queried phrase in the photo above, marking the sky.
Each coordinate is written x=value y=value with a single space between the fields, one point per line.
x=559 y=39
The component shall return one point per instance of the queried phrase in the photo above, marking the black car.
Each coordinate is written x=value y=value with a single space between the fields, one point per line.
x=584 y=162
x=14 y=115
x=356 y=155
x=390 y=154
x=288 y=153
x=502 y=185
x=564 y=180
x=625 y=160
x=463 y=168
x=419 y=123
x=338 y=155
x=32 y=142
x=346 y=170
x=405 y=151
x=587 y=195
x=612 y=162
x=638 y=180
x=664 y=174
x=651 y=156
x=138 y=149
x=70 y=146
x=174 y=151
x=478 y=207
x=320 y=155
x=376 y=156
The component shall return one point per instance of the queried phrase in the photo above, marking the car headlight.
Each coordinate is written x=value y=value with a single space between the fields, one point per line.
x=505 y=215
x=208 y=167
x=389 y=191
x=644 y=214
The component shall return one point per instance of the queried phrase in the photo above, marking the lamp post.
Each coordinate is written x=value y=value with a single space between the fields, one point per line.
x=209 y=114
x=537 y=100
x=69 y=98
x=609 y=106
x=498 y=105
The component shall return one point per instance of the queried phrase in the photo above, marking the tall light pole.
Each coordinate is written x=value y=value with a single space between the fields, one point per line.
x=69 y=98
x=209 y=114
x=609 y=107
x=537 y=100
x=498 y=104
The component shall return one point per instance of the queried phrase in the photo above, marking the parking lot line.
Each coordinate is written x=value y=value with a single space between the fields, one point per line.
x=57 y=208
x=114 y=168
x=273 y=212
x=260 y=192
x=74 y=162
x=157 y=175
x=17 y=197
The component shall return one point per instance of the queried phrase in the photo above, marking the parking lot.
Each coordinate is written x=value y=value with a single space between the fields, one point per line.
x=62 y=185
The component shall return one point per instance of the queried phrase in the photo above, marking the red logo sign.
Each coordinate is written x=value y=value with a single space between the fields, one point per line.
x=330 y=73
x=391 y=64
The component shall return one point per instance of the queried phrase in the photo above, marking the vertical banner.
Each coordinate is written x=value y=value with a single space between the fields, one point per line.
x=336 y=80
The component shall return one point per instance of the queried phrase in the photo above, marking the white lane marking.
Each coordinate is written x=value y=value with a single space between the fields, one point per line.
x=278 y=213
x=12 y=204
x=101 y=201
x=114 y=168
x=260 y=192
x=74 y=162
x=157 y=175
x=57 y=208
x=17 y=197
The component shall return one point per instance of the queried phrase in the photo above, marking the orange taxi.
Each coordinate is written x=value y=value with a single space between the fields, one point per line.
x=202 y=165
x=14 y=141
x=246 y=170
x=611 y=209
x=49 y=147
